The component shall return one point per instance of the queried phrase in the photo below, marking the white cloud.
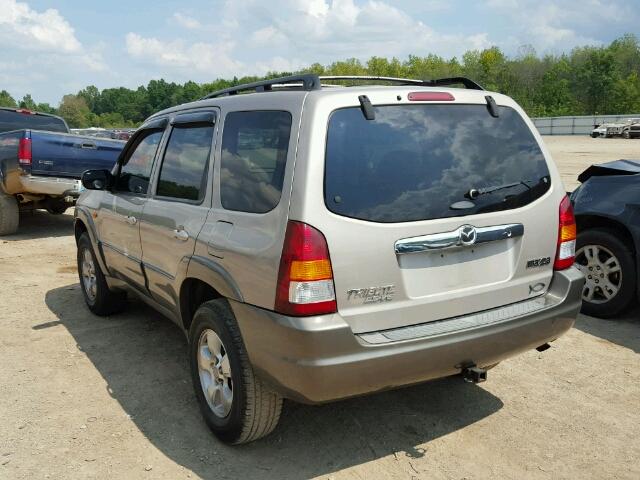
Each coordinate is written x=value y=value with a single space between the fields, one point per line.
x=186 y=21
x=324 y=30
x=24 y=28
x=548 y=25
x=177 y=54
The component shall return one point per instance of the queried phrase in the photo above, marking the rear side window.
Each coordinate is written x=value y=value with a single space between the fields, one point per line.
x=11 y=120
x=254 y=155
x=183 y=174
x=420 y=162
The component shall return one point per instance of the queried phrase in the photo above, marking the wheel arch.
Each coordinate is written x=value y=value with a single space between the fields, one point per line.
x=587 y=222
x=84 y=224
x=205 y=280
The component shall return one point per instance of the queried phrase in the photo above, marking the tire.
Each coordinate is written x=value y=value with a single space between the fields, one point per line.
x=57 y=208
x=95 y=290
x=626 y=134
x=252 y=409
x=9 y=215
x=599 y=298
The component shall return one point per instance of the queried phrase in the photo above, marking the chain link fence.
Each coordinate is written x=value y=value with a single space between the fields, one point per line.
x=576 y=125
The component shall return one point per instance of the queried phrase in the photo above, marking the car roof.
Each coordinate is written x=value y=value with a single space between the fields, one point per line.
x=296 y=88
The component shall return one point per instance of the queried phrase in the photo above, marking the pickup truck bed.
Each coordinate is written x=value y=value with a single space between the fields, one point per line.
x=42 y=169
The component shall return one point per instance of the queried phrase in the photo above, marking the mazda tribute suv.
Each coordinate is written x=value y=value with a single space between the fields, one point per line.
x=317 y=241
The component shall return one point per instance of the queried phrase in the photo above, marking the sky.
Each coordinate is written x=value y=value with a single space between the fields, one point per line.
x=49 y=49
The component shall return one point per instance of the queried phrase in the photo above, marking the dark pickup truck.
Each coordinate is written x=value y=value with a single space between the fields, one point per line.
x=41 y=164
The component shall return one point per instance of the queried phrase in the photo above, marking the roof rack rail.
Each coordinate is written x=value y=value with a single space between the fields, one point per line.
x=308 y=81
x=440 y=82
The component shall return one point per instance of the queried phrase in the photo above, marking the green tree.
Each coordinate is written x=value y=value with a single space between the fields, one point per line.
x=6 y=100
x=28 y=103
x=75 y=111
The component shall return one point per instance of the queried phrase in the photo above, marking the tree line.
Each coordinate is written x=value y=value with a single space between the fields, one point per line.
x=588 y=80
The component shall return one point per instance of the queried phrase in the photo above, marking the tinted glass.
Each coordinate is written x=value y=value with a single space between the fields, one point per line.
x=254 y=154
x=184 y=168
x=10 y=120
x=417 y=162
x=135 y=172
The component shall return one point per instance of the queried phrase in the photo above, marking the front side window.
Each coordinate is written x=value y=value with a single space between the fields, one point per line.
x=136 y=168
x=184 y=168
x=254 y=156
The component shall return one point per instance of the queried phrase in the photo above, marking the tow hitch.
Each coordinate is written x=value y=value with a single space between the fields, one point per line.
x=473 y=374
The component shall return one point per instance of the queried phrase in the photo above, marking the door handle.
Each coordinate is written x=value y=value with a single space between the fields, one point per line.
x=131 y=220
x=181 y=234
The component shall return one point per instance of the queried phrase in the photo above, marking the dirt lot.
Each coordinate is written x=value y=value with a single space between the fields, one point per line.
x=88 y=397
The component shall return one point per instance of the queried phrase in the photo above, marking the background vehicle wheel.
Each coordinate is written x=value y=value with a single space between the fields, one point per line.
x=9 y=215
x=236 y=405
x=57 y=208
x=95 y=290
x=610 y=270
x=626 y=134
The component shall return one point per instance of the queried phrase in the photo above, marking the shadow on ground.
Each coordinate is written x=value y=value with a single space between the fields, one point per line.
x=41 y=224
x=143 y=358
x=624 y=331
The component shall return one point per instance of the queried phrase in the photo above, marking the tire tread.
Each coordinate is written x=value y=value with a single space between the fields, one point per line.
x=9 y=214
x=263 y=406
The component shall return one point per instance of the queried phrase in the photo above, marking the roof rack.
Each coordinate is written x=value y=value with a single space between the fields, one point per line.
x=311 y=81
x=308 y=81
x=440 y=82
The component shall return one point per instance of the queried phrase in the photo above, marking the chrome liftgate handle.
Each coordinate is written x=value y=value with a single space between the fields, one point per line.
x=465 y=236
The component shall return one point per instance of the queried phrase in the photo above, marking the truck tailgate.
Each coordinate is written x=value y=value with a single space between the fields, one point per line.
x=66 y=155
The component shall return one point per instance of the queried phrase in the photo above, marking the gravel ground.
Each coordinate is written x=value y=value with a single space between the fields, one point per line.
x=86 y=397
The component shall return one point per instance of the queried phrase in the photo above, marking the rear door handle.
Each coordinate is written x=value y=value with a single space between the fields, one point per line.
x=181 y=234
x=131 y=220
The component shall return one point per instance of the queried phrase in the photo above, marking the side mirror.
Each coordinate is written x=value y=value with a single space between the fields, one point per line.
x=97 y=179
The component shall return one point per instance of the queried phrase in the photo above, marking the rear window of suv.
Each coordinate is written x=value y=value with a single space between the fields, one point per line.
x=422 y=162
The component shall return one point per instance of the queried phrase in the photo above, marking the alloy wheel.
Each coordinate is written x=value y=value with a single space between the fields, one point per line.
x=215 y=373
x=89 y=280
x=602 y=271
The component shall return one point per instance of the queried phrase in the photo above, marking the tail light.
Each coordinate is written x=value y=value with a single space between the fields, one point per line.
x=566 y=253
x=305 y=280
x=24 y=152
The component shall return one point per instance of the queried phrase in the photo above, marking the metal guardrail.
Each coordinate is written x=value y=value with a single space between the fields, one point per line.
x=577 y=125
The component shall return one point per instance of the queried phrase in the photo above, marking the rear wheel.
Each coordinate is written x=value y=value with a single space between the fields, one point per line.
x=97 y=295
x=237 y=406
x=9 y=214
x=609 y=267
x=57 y=207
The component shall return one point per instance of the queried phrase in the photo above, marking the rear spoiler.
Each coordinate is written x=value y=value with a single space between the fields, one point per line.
x=617 y=167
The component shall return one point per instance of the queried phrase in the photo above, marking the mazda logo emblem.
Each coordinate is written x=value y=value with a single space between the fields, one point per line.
x=468 y=235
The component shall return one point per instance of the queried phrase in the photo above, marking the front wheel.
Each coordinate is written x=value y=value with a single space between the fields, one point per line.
x=626 y=134
x=609 y=267
x=237 y=406
x=97 y=295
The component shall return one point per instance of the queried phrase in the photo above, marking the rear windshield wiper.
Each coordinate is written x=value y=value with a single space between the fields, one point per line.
x=474 y=193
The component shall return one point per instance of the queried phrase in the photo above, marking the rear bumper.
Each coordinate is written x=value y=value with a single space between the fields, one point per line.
x=54 y=186
x=319 y=359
